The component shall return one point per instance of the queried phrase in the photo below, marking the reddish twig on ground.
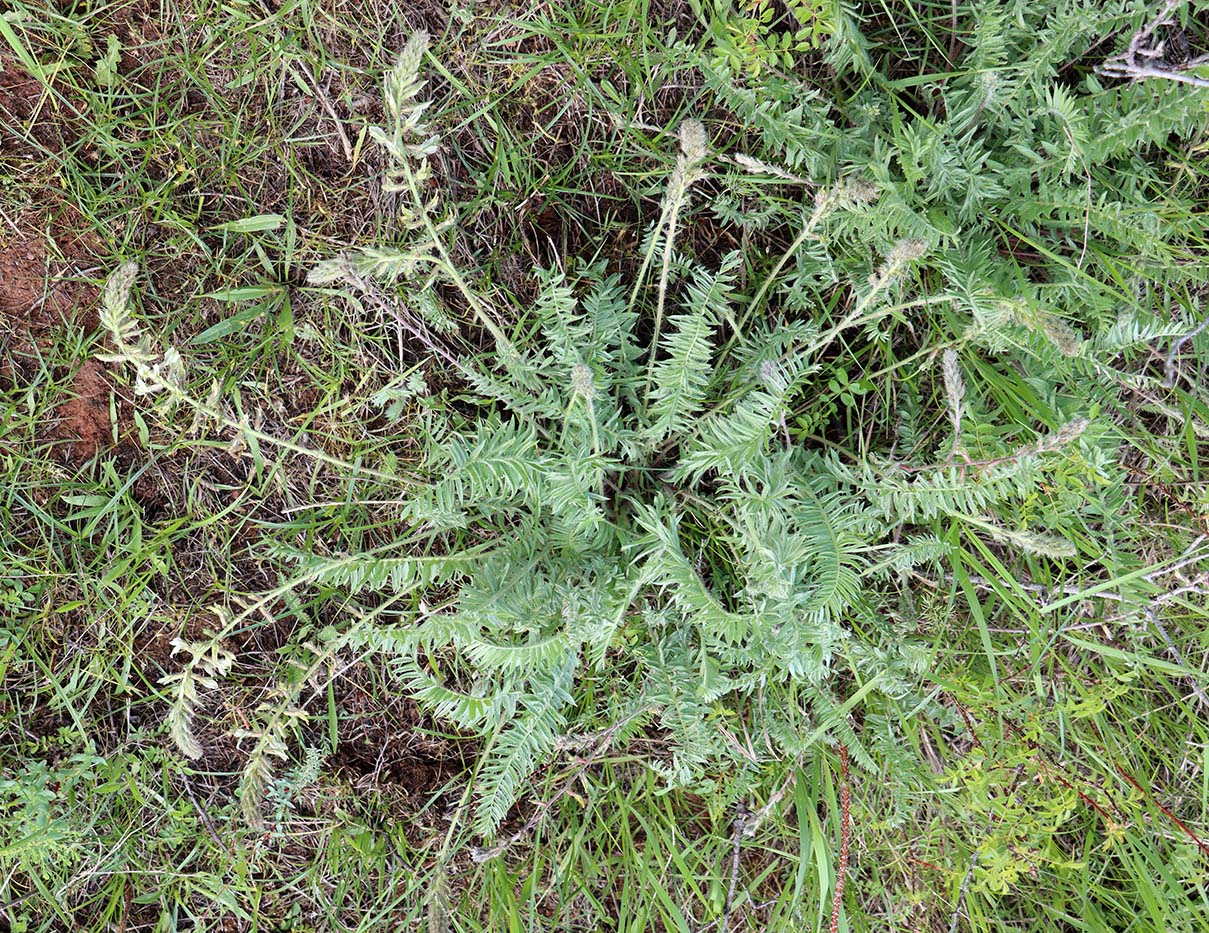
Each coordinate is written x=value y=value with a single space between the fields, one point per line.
x=845 y=839
x=1107 y=817
x=1171 y=816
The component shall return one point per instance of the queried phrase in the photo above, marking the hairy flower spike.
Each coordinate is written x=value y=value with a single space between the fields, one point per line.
x=955 y=390
x=902 y=255
x=855 y=190
x=117 y=289
x=407 y=137
x=1065 y=339
x=168 y=374
x=694 y=152
x=825 y=200
x=989 y=82
x=403 y=82
x=906 y=251
x=770 y=376
x=760 y=167
x=1063 y=436
x=130 y=343
x=693 y=142
x=581 y=381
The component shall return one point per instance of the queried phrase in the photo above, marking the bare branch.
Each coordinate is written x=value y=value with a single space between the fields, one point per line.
x=841 y=873
x=1172 y=373
x=1143 y=72
x=741 y=815
x=1144 y=58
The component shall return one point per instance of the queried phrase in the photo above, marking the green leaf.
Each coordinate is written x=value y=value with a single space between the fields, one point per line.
x=258 y=224
x=233 y=324
x=106 y=68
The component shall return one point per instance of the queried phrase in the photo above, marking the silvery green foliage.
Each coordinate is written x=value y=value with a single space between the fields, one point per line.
x=408 y=142
x=206 y=662
x=703 y=561
x=164 y=377
x=654 y=519
x=409 y=136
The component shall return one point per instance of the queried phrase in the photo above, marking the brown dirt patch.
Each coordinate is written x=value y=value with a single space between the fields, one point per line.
x=44 y=257
x=21 y=100
x=392 y=747
x=37 y=287
x=84 y=422
x=43 y=249
x=41 y=288
x=21 y=264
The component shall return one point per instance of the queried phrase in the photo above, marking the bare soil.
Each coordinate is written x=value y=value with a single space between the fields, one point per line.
x=42 y=262
x=48 y=254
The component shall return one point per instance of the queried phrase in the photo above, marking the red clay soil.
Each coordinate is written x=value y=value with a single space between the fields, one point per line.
x=37 y=295
x=84 y=422
x=19 y=105
x=44 y=253
x=36 y=292
x=21 y=264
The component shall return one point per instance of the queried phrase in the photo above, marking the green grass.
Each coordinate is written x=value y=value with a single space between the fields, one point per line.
x=1063 y=739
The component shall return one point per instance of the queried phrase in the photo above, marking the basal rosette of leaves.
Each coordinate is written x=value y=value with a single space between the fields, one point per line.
x=638 y=520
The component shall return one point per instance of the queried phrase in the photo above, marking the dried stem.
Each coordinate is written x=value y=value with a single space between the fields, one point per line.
x=961 y=897
x=736 y=848
x=325 y=101
x=1166 y=812
x=845 y=839
x=1047 y=444
x=1171 y=372
x=1143 y=59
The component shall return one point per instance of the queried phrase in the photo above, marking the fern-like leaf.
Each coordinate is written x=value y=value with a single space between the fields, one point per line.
x=522 y=745
x=682 y=376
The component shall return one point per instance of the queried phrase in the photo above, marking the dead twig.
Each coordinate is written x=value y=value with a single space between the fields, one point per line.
x=1046 y=592
x=763 y=905
x=325 y=102
x=758 y=818
x=745 y=826
x=740 y=827
x=1141 y=73
x=1153 y=616
x=953 y=40
x=959 y=907
x=1146 y=58
x=1201 y=844
x=845 y=840
x=413 y=325
x=1171 y=373
x=1192 y=555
